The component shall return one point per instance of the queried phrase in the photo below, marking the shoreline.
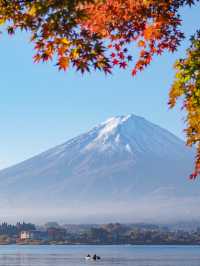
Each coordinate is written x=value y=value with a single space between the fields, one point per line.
x=96 y=244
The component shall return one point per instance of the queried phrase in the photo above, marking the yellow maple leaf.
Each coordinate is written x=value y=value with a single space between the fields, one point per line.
x=65 y=41
x=32 y=11
x=2 y=21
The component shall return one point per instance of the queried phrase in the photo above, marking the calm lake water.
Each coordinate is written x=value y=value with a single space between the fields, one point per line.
x=111 y=255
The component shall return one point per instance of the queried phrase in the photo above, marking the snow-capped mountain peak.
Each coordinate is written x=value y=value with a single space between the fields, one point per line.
x=124 y=159
x=133 y=134
x=111 y=125
x=108 y=134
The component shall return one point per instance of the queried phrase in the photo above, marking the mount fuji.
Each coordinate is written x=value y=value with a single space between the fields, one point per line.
x=124 y=169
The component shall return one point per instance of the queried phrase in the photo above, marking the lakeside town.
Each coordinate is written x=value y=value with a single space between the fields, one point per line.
x=93 y=234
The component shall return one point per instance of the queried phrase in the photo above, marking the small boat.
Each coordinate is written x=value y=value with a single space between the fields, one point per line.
x=95 y=257
x=88 y=257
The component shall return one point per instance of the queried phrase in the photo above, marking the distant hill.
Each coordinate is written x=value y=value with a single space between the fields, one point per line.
x=124 y=169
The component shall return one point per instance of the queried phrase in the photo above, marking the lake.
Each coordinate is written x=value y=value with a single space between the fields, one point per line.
x=14 y=255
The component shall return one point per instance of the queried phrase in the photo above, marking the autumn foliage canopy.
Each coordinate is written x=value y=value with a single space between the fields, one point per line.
x=104 y=34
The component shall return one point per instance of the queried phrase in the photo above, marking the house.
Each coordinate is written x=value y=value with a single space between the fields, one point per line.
x=33 y=235
x=26 y=235
x=56 y=234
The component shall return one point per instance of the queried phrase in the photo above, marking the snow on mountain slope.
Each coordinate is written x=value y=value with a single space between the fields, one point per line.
x=124 y=160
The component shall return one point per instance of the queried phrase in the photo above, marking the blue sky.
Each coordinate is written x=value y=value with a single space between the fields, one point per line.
x=41 y=107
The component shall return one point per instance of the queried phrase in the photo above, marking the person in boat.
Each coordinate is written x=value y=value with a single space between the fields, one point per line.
x=95 y=257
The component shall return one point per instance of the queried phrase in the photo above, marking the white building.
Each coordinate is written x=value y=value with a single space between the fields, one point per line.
x=25 y=235
x=33 y=235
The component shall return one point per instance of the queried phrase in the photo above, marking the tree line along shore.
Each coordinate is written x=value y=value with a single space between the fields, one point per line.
x=96 y=234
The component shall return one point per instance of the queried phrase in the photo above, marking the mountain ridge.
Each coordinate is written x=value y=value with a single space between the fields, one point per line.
x=124 y=160
x=71 y=140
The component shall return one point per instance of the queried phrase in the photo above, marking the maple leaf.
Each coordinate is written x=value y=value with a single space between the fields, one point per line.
x=121 y=55
x=134 y=72
x=37 y=58
x=63 y=63
x=2 y=21
x=117 y=47
x=129 y=58
x=123 y=65
x=11 y=30
x=141 y=43
x=115 y=62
